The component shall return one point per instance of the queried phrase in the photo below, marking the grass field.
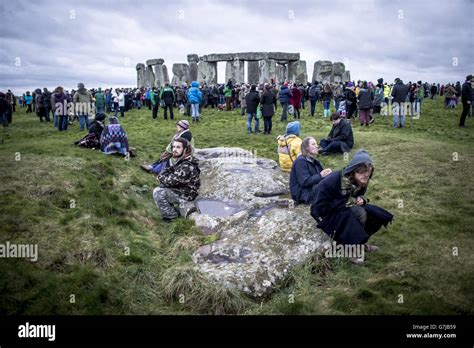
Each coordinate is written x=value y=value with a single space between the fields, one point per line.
x=110 y=253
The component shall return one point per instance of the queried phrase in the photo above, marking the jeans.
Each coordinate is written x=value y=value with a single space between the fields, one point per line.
x=399 y=114
x=250 y=116
x=122 y=111
x=194 y=111
x=83 y=119
x=267 y=124
x=4 y=119
x=99 y=109
x=170 y=108
x=63 y=121
x=154 y=113
x=313 y=106
x=331 y=146
x=284 y=111
x=55 y=120
x=326 y=104
x=47 y=113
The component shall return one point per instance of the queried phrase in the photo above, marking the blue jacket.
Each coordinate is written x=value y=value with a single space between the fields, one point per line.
x=329 y=208
x=194 y=94
x=284 y=95
x=304 y=177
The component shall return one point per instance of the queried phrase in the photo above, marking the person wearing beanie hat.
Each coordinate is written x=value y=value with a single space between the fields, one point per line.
x=342 y=211
x=289 y=146
x=340 y=139
x=166 y=158
x=466 y=99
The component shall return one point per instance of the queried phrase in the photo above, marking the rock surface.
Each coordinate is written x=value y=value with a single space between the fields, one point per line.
x=244 y=200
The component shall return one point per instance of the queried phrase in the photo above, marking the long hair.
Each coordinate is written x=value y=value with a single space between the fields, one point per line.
x=305 y=146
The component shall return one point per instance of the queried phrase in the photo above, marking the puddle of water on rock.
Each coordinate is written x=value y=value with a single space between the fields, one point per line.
x=217 y=208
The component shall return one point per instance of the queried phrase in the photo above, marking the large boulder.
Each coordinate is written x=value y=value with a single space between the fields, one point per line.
x=244 y=200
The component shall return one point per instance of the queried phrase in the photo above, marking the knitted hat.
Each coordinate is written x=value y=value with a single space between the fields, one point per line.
x=359 y=159
x=293 y=128
x=183 y=124
x=100 y=116
x=80 y=85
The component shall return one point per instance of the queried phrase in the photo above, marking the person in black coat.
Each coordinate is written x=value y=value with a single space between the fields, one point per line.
x=340 y=208
x=268 y=102
x=92 y=139
x=252 y=99
x=306 y=172
x=340 y=139
x=399 y=94
x=466 y=98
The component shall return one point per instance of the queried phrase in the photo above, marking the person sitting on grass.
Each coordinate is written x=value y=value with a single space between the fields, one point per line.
x=92 y=139
x=289 y=145
x=114 y=139
x=340 y=139
x=166 y=158
x=306 y=172
x=179 y=183
x=342 y=211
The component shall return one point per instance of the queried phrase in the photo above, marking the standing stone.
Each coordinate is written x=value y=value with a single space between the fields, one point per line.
x=281 y=72
x=180 y=74
x=207 y=72
x=166 y=77
x=253 y=71
x=159 y=73
x=346 y=76
x=267 y=70
x=149 y=77
x=193 y=59
x=297 y=72
x=338 y=69
x=234 y=70
x=140 y=75
x=322 y=71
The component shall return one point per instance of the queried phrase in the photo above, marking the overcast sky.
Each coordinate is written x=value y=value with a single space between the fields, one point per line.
x=51 y=43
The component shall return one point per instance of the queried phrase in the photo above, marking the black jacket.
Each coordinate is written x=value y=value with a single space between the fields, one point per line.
x=330 y=209
x=304 y=176
x=466 y=93
x=342 y=132
x=252 y=99
x=399 y=92
x=268 y=101
x=365 y=99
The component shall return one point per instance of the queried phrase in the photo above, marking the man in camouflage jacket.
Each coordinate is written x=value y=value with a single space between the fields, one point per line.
x=179 y=183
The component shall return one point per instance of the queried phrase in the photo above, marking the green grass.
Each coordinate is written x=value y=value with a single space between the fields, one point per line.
x=116 y=256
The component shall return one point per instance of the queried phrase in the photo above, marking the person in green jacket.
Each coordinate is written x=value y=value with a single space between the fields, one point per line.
x=420 y=95
x=155 y=102
x=228 y=95
x=99 y=101
x=167 y=98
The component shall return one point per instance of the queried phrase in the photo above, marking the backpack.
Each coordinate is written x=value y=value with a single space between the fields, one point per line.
x=312 y=92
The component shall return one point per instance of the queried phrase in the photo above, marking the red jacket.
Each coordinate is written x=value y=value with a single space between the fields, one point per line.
x=295 y=99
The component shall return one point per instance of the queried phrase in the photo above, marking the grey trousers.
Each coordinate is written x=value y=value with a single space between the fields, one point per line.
x=360 y=213
x=170 y=204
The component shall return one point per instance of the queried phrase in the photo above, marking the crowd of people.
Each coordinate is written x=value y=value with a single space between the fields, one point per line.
x=336 y=198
